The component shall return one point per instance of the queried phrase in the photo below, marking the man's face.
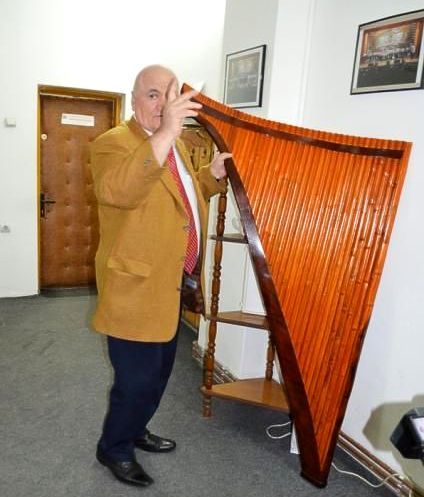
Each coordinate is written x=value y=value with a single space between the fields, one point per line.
x=150 y=96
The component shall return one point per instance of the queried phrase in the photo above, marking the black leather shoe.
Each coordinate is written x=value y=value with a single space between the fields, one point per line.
x=153 y=443
x=126 y=471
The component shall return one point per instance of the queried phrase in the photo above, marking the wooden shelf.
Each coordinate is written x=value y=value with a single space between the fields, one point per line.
x=257 y=391
x=241 y=319
x=230 y=237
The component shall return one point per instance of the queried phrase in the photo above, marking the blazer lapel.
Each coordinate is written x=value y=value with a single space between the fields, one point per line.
x=166 y=178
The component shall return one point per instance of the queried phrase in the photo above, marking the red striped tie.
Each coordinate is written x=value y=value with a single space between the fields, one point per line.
x=191 y=254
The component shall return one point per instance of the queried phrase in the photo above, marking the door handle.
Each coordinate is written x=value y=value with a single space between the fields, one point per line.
x=43 y=201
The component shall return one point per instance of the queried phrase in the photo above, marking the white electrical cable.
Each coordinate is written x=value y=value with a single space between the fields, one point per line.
x=278 y=437
x=349 y=473
x=373 y=485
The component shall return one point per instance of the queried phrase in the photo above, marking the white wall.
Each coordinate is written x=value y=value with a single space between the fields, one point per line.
x=253 y=21
x=100 y=44
x=310 y=68
x=290 y=68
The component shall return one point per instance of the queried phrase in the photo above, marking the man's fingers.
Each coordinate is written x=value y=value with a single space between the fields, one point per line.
x=172 y=90
x=186 y=106
x=222 y=156
x=189 y=94
x=178 y=107
x=181 y=101
x=184 y=97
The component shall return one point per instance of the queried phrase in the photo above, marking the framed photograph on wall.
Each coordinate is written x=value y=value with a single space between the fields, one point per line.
x=389 y=54
x=244 y=72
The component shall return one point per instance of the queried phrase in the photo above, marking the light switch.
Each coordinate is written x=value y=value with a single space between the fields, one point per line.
x=10 y=122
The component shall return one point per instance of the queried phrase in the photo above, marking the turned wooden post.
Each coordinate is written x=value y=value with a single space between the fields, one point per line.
x=209 y=361
x=270 y=354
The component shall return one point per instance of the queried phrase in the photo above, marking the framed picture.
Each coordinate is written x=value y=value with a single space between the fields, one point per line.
x=244 y=72
x=389 y=54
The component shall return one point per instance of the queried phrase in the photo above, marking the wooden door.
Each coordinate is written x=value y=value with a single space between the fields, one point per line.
x=68 y=210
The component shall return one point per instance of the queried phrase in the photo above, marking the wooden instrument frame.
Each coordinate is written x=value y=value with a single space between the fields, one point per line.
x=309 y=405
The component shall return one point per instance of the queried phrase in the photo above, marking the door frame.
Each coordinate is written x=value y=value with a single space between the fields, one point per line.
x=118 y=103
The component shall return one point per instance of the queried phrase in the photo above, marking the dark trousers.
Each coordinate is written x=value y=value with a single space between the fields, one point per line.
x=142 y=370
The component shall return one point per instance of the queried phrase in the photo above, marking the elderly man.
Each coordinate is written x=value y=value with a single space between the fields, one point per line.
x=152 y=213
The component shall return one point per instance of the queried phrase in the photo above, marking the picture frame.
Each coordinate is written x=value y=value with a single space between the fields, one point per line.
x=244 y=73
x=389 y=54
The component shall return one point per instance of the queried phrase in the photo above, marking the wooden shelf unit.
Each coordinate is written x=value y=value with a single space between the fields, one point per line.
x=264 y=392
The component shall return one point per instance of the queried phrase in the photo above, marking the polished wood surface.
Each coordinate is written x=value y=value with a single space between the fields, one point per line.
x=231 y=237
x=241 y=319
x=258 y=391
x=317 y=210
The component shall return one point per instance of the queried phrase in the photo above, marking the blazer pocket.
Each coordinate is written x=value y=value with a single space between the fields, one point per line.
x=131 y=266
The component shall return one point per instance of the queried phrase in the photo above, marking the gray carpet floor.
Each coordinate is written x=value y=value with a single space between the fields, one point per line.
x=54 y=381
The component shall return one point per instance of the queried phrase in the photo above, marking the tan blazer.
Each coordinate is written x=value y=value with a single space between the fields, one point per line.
x=143 y=234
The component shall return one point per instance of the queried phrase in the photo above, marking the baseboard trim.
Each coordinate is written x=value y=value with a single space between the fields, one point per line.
x=220 y=374
x=189 y=325
x=399 y=485
x=356 y=451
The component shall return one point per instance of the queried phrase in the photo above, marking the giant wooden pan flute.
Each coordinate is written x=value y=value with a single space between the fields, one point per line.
x=317 y=210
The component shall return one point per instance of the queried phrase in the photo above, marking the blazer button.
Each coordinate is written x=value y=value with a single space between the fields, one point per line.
x=183 y=259
x=186 y=227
